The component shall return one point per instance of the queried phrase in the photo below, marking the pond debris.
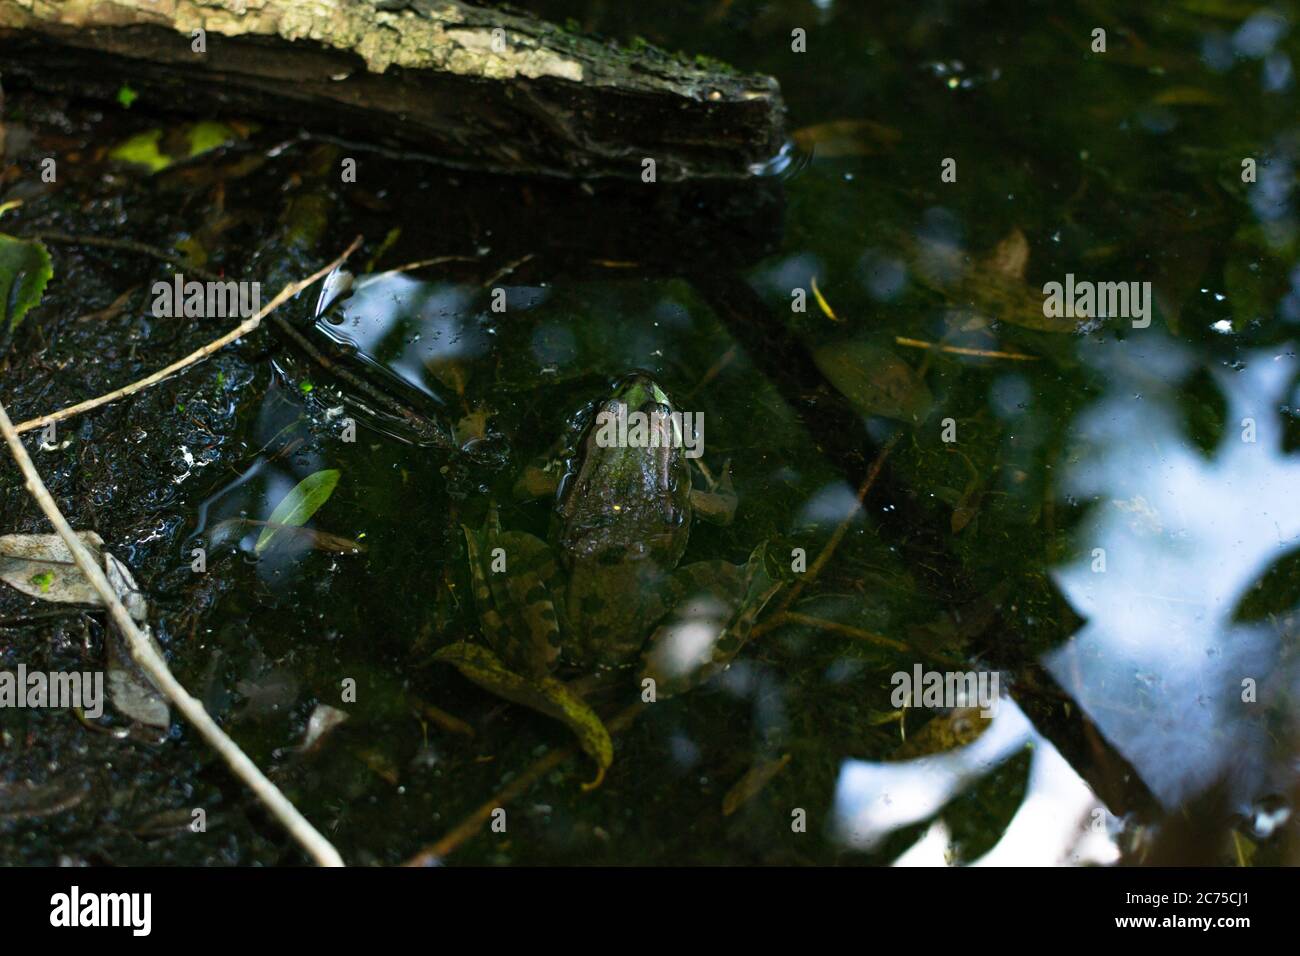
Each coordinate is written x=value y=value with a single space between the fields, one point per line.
x=41 y=566
x=25 y=800
x=297 y=507
x=962 y=350
x=238 y=332
x=233 y=528
x=448 y=722
x=752 y=783
x=821 y=301
x=323 y=720
x=875 y=381
x=146 y=655
x=130 y=690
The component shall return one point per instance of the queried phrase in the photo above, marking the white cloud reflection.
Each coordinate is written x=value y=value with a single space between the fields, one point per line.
x=874 y=799
x=1158 y=665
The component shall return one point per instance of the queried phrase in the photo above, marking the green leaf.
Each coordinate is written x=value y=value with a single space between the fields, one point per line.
x=299 y=505
x=24 y=271
x=142 y=149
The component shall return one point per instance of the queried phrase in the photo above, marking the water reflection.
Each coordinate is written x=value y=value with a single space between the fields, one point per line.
x=1052 y=826
x=405 y=327
x=1173 y=544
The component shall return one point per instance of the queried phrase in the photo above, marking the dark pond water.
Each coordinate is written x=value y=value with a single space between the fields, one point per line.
x=1092 y=515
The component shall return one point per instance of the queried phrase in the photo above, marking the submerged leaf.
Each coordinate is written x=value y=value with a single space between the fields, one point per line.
x=957 y=728
x=24 y=271
x=875 y=380
x=297 y=507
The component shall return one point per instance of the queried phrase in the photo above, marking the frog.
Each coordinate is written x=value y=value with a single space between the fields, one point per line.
x=607 y=592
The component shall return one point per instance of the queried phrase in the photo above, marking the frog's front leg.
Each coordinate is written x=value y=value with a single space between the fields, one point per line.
x=543 y=694
x=718 y=503
x=718 y=605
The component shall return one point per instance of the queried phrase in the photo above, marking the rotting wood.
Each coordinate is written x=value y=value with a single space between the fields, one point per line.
x=471 y=86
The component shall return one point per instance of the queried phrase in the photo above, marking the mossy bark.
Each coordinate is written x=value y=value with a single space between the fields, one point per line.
x=472 y=86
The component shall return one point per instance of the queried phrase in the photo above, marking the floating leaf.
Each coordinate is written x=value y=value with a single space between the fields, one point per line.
x=24 y=271
x=875 y=380
x=299 y=505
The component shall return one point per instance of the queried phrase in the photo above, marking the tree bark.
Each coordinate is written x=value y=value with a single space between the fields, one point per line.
x=471 y=86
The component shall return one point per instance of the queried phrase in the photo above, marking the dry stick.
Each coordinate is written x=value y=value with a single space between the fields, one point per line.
x=248 y=325
x=156 y=668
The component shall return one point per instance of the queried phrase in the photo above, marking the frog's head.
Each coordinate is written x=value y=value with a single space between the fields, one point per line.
x=629 y=491
x=638 y=390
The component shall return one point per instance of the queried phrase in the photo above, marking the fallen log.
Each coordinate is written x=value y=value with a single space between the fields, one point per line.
x=469 y=86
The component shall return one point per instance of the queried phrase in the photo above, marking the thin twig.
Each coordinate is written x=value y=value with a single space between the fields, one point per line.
x=410 y=266
x=506 y=270
x=152 y=663
x=963 y=350
x=836 y=537
x=880 y=640
x=245 y=327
